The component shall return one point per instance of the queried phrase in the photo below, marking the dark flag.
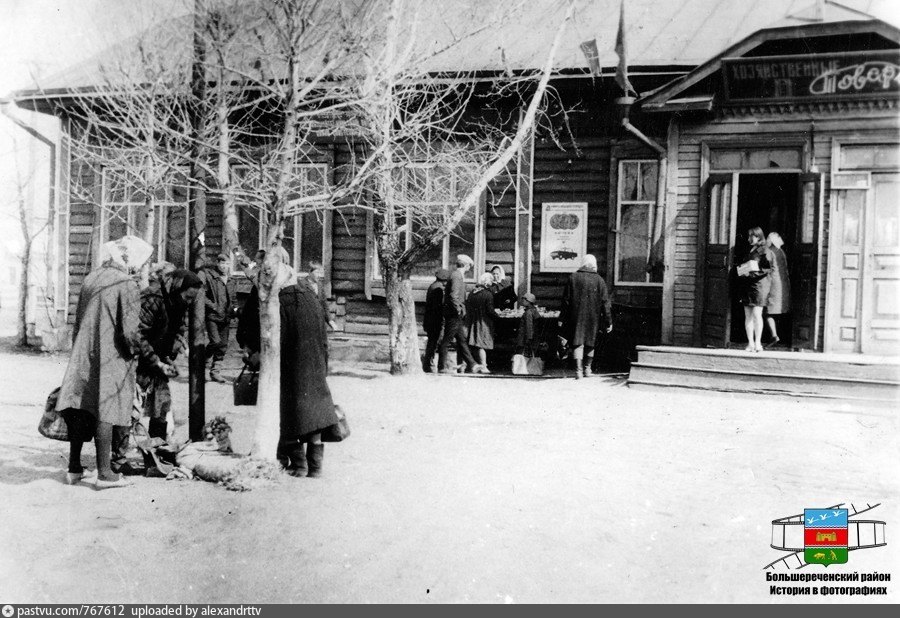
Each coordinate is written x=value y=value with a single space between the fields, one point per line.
x=622 y=69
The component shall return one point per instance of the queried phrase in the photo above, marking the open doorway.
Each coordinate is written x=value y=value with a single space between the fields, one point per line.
x=769 y=201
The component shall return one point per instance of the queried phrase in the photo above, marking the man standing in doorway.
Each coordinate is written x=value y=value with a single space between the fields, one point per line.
x=454 y=318
x=219 y=305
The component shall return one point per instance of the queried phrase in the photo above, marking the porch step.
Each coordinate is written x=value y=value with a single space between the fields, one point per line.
x=788 y=373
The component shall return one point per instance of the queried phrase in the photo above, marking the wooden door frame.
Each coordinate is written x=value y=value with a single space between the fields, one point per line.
x=832 y=294
x=793 y=140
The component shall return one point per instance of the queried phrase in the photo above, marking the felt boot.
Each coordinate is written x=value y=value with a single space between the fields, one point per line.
x=314 y=455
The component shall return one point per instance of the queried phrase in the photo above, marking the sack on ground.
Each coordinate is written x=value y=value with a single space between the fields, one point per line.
x=340 y=430
x=527 y=365
x=246 y=388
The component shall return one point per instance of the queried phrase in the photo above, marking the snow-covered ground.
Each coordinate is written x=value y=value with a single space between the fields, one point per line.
x=456 y=489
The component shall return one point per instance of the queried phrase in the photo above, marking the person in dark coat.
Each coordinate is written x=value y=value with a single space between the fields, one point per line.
x=97 y=392
x=586 y=311
x=527 y=340
x=163 y=325
x=218 y=308
x=755 y=286
x=455 y=318
x=779 y=301
x=502 y=289
x=480 y=320
x=306 y=404
x=433 y=322
x=316 y=282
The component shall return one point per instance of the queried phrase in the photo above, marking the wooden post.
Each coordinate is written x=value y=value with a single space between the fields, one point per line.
x=197 y=217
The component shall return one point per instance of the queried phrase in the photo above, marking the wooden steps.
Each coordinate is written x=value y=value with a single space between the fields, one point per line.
x=836 y=376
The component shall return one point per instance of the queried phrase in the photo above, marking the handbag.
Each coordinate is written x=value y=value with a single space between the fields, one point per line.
x=527 y=365
x=246 y=388
x=52 y=425
x=340 y=430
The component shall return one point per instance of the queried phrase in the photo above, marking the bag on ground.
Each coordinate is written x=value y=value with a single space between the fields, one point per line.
x=527 y=365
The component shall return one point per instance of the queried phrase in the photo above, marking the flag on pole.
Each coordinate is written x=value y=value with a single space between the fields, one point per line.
x=591 y=53
x=622 y=68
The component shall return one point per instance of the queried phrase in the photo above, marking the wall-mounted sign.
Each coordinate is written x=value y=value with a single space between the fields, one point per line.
x=563 y=236
x=849 y=75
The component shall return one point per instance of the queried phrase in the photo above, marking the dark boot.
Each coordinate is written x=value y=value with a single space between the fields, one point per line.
x=314 y=455
x=298 y=465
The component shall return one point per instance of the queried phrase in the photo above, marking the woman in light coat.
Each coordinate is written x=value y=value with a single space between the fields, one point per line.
x=779 y=300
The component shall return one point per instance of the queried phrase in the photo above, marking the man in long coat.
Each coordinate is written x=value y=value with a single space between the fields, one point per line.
x=100 y=376
x=586 y=309
x=218 y=308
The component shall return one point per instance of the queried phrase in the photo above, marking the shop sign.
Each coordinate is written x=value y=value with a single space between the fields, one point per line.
x=853 y=75
x=563 y=236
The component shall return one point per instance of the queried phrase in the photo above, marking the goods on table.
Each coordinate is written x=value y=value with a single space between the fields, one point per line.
x=517 y=313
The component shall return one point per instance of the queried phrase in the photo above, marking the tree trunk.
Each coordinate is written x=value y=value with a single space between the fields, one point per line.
x=268 y=402
x=404 y=331
x=22 y=330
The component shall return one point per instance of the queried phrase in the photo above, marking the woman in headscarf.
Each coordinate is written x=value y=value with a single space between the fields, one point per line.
x=586 y=309
x=779 y=301
x=165 y=307
x=97 y=393
x=502 y=289
x=480 y=321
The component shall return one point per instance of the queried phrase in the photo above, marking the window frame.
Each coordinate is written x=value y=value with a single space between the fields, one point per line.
x=160 y=217
x=479 y=242
x=652 y=206
x=296 y=220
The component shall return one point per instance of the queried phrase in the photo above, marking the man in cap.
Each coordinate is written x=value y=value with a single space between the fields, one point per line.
x=219 y=304
x=433 y=322
x=454 y=317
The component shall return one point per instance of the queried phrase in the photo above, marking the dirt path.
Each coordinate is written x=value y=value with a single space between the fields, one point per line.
x=455 y=490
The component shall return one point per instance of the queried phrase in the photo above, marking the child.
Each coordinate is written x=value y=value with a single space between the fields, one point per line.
x=527 y=342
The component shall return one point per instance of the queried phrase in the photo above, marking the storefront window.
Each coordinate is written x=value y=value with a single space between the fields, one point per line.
x=636 y=217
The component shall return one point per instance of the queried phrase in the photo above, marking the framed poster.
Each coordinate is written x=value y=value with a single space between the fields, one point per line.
x=563 y=236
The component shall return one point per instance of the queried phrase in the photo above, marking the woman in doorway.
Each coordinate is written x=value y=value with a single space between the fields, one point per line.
x=754 y=275
x=779 y=301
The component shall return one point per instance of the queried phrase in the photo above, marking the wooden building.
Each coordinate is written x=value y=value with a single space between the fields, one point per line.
x=730 y=143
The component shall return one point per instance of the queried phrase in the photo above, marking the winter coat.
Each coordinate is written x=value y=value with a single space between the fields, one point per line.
x=779 y=300
x=219 y=296
x=480 y=318
x=100 y=376
x=586 y=307
x=755 y=286
x=527 y=329
x=455 y=295
x=434 y=314
x=306 y=404
x=504 y=294
x=248 y=322
x=163 y=328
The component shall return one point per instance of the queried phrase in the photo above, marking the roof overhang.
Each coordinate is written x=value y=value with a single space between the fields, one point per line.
x=666 y=99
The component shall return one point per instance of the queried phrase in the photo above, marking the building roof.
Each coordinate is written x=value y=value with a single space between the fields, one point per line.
x=676 y=34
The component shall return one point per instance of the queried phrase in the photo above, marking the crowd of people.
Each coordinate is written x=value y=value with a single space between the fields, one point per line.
x=125 y=342
x=467 y=320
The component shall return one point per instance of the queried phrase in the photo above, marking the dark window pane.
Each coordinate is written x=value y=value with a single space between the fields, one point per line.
x=248 y=229
x=633 y=231
x=176 y=235
x=462 y=240
x=311 y=239
x=629 y=181
x=648 y=181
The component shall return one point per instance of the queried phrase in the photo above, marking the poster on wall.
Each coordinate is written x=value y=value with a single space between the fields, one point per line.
x=563 y=236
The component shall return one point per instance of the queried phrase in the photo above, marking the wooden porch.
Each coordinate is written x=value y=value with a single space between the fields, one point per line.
x=803 y=374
